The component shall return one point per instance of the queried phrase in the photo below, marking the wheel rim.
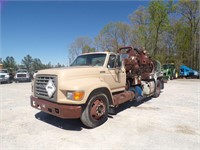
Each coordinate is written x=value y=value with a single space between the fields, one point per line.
x=98 y=109
x=176 y=75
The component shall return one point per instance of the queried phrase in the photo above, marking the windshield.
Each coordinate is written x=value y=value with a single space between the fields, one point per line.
x=89 y=60
x=22 y=71
x=3 y=71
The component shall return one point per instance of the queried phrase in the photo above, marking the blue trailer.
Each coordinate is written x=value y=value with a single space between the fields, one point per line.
x=188 y=72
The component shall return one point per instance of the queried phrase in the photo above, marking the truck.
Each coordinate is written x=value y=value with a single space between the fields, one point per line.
x=95 y=84
x=188 y=72
x=5 y=76
x=169 y=71
x=22 y=75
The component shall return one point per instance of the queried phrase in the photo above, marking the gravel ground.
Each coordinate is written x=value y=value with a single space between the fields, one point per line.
x=171 y=121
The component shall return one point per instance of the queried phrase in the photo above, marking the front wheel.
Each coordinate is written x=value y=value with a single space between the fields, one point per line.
x=96 y=111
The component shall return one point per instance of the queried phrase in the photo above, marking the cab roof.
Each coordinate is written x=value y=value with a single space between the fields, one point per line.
x=97 y=53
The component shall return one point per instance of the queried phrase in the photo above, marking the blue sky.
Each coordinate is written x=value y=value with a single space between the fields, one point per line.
x=45 y=29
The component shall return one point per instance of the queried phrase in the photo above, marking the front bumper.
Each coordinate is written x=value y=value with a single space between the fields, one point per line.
x=22 y=79
x=60 y=110
x=4 y=80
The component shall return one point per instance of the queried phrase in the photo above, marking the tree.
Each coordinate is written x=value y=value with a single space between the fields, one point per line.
x=58 y=65
x=27 y=62
x=77 y=47
x=113 y=36
x=158 y=21
x=37 y=64
x=141 y=32
x=10 y=63
x=47 y=66
x=88 y=49
x=189 y=11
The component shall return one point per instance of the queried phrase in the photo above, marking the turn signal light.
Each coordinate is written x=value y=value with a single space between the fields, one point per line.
x=78 y=96
x=75 y=95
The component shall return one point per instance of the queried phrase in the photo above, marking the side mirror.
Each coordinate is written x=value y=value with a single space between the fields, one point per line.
x=118 y=64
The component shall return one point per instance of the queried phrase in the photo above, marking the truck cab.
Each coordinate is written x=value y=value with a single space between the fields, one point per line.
x=5 y=76
x=22 y=75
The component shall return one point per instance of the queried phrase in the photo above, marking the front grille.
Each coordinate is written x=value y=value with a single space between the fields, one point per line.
x=40 y=86
x=2 y=76
x=21 y=75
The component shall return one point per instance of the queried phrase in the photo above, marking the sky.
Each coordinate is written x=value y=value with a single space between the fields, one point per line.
x=45 y=29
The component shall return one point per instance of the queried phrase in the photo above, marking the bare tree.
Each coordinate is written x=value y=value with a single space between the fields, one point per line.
x=112 y=36
x=77 y=47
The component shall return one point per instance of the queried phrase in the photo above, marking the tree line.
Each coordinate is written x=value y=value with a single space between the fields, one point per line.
x=29 y=63
x=168 y=30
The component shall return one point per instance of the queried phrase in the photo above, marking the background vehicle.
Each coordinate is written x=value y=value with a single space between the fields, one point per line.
x=188 y=72
x=5 y=76
x=169 y=71
x=95 y=84
x=22 y=75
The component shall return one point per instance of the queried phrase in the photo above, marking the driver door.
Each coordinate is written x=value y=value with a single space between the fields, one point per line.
x=115 y=75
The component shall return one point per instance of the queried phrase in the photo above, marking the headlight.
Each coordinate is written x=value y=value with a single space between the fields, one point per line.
x=75 y=95
x=7 y=76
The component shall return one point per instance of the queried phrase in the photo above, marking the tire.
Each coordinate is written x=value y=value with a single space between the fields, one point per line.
x=157 y=89
x=96 y=111
x=162 y=85
x=171 y=77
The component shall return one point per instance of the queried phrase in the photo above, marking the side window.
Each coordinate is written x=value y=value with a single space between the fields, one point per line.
x=111 y=62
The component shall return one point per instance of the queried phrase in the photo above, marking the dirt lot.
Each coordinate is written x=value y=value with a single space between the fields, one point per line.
x=171 y=121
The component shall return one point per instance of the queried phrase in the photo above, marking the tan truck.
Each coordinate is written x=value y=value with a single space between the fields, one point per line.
x=95 y=84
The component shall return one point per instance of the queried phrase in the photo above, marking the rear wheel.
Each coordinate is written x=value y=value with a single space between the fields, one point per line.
x=96 y=111
x=157 y=89
x=171 y=77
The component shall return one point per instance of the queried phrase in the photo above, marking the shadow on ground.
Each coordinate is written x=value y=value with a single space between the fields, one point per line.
x=129 y=104
x=66 y=124
x=76 y=124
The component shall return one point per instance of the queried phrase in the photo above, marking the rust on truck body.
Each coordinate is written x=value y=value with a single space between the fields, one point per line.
x=62 y=111
x=123 y=97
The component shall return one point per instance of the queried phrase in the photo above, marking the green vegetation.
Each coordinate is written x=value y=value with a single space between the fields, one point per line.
x=29 y=63
x=168 y=30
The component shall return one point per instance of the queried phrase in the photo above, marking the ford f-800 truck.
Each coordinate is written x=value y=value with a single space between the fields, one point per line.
x=95 y=84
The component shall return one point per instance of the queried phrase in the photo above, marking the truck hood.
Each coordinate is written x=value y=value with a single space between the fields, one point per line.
x=1 y=73
x=22 y=73
x=72 y=72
